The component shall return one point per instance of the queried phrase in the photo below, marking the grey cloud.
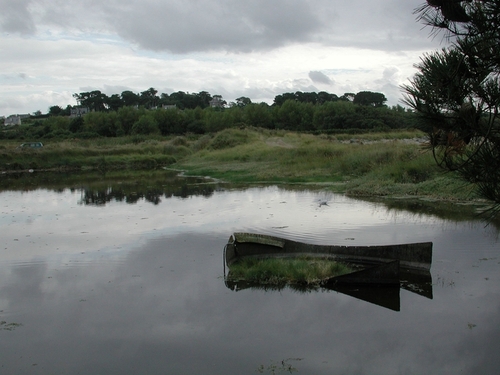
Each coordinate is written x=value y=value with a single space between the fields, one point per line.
x=186 y=26
x=183 y=27
x=190 y=26
x=16 y=18
x=319 y=77
x=388 y=25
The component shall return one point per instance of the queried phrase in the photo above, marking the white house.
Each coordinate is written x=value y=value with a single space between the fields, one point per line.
x=13 y=120
x=217 y=102
x=78 y=111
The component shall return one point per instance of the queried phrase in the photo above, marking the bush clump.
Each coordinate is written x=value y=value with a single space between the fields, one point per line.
x=229 y=138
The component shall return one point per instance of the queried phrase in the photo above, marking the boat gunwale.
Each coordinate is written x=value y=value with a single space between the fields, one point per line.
x=270 y=246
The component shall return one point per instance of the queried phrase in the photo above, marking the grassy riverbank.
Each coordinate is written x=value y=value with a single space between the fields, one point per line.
x=374 y=164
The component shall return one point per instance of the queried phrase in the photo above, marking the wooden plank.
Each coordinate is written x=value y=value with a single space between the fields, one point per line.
x=262 y=239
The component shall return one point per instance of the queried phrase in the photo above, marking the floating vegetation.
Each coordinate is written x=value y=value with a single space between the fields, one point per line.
x=8 y=326
x=275 y=368
x=281 y=271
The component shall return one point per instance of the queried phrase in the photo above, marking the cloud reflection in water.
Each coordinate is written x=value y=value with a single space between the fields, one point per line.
x=138 y=288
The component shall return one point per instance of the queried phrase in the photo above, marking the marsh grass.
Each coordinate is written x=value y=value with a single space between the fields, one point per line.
x=380 y=164
x=229 y=138
x=280 y=271
x=379 y=136
x=268 y=156
x=102 y=153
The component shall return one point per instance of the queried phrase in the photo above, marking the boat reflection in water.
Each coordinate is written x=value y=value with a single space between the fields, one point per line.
x=381 y=270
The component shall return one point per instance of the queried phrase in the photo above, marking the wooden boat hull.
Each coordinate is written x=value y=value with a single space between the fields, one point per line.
x=414 y=256
x=385 y=269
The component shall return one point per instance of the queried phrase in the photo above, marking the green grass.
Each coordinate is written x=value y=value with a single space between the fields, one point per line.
x=377 y=164
x=372 y=164
x=281 y=271
x=102 y=153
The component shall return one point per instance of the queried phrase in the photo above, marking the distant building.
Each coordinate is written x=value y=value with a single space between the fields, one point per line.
x=13 y=120
x=169 y=106
x=217 y=102
x=78 y=111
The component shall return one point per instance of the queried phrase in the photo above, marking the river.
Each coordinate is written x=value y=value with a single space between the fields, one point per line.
x=126 y=276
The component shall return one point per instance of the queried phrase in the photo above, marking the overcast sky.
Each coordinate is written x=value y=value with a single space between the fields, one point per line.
x=51 y=49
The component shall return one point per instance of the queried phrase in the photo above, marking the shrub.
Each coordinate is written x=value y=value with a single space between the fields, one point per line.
x=197 y=127
x=87 y=135
x=76 y=125
x=202 y=143
x=179 y=141
x=145 y=125
x=59 y=134
x=229 y=138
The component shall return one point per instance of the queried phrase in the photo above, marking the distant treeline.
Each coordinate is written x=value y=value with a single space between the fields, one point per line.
x=181 y=113
x=100 y=102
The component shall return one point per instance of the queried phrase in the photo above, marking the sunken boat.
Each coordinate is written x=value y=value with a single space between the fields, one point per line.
x=380 y=270
x=381 y=264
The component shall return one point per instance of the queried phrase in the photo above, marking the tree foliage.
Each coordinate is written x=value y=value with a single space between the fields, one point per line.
x=330 y=117
x=305 y=97
x=145 y=125
x=129 y=99
x=94 y=100
x=55 y=110
x=149 y=99
x=375 y=99
x=457 y=93
x=243 y=101
x=179 y=113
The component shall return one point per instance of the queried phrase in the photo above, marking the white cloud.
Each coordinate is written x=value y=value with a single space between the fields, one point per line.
x=257 y=49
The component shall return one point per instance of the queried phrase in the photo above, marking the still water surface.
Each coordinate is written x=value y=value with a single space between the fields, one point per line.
x=117 y=281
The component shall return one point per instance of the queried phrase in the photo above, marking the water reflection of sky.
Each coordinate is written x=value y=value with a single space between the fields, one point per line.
x=33 y=220
x=138 y=289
